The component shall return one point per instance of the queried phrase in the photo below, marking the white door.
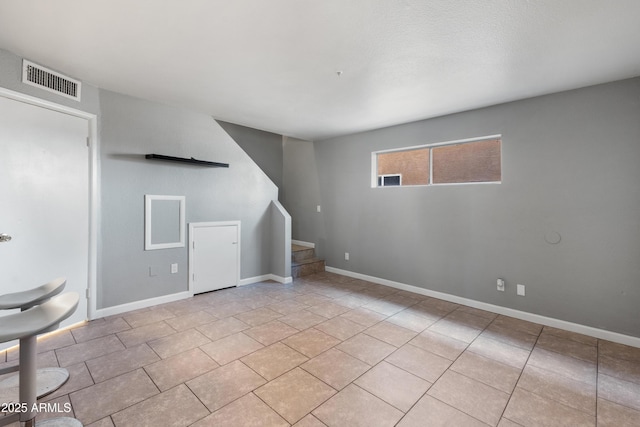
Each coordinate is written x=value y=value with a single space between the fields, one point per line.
x=44 y=199
x=214 y=254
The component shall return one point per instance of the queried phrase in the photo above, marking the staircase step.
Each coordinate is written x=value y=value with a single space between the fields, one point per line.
x=304 y=261
x=307 y=267
x=302 y=254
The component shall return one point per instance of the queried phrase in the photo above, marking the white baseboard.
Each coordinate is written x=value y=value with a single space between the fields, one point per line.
x=123 y=308
x=256 y=279
x=305 y=244
x=523 y=315
x=264 y=278
x=283 y=280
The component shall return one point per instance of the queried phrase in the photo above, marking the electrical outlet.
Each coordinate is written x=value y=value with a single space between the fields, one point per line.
x=346 y=256
x=174 y=268
x=520 y=290
x=318 y=208
x=153 y=271
x=500 y=285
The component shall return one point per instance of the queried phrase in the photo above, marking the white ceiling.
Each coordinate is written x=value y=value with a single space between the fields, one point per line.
x=272 y=64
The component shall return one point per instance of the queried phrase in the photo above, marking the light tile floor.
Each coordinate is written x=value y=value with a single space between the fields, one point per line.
x=336 y=351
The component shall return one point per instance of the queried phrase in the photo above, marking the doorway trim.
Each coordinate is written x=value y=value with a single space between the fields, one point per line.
x=94 y=184
x=192 y=227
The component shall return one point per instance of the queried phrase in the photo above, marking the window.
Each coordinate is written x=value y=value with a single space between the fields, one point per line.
x=455 y=162
x=412 y=165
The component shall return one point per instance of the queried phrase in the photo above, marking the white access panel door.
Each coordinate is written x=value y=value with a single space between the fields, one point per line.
x=214 y=255
x=44 y=207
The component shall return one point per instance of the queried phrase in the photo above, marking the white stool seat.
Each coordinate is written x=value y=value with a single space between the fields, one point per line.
x=48 y=379
x=25 y=326
x=32 y=297
x=39 y=319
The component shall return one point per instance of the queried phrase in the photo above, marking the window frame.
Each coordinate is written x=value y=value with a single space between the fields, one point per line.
x=374 y=162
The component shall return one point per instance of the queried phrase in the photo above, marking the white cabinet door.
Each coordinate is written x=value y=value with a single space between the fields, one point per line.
x=214 y=256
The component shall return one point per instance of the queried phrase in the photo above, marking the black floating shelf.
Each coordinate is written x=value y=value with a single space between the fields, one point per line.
x=190 y=161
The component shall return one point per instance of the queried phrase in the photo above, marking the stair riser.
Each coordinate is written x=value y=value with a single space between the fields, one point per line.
x=298 y=256
x=307 y=269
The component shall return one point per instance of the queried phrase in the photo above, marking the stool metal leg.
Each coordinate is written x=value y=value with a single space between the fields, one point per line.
x=25 y=326
x=28 y=379
x=28 y=388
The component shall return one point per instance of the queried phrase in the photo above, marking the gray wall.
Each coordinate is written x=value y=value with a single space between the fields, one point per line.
x=301 y=192
x=11 y=78
x=265 y=148
x=280 y=240
x=130 y=128
x=570 y=165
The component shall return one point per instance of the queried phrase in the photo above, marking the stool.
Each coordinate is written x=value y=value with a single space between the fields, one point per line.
x=48 y=379
x=27 y=299
x=26 y=326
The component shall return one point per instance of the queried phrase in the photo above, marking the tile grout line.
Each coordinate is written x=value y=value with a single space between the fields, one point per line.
x=129 y=406
x=198 y=397
x=275 y=378
x=449 y=367
x=333 y=299
x=520 y=376
x=146 y=342
x=283 y=374
x=325 y=351
x=424 y=394
x=565 y=376
x=597 y=376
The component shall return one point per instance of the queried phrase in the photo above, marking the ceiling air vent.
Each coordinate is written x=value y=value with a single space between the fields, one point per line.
x=44 y=78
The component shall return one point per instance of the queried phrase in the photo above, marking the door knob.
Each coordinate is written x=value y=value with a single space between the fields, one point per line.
x=4 y=237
